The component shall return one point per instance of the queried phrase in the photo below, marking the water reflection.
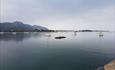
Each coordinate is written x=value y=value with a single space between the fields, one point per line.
x=41 y=51
x=19 y=36
x=75 y=33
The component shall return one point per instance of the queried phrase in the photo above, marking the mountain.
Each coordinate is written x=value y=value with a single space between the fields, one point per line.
x=19 y=26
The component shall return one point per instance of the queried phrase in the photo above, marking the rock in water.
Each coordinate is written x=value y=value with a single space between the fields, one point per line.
x=110 y=66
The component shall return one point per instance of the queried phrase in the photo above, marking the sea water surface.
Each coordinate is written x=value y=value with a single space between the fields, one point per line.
x=41 y=51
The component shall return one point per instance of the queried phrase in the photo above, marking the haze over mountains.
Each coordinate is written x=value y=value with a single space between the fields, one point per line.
x=19 y=26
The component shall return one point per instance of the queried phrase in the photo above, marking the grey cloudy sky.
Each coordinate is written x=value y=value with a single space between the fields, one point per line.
x=61 y=14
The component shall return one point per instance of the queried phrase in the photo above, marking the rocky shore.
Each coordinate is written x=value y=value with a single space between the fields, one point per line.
x=110 y=66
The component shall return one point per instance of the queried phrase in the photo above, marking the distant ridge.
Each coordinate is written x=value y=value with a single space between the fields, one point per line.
x=18 y=26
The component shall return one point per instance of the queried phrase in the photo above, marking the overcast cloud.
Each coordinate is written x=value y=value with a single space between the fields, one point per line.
x=61 y=14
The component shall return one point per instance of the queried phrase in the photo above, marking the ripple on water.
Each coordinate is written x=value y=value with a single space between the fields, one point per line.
x=100 y=68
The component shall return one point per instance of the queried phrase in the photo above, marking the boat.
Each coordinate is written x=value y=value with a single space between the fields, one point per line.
x=101 y=34
x=60 y=37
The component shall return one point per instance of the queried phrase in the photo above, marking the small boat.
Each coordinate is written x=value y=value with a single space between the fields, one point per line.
x=101 y=34
x=60 y=37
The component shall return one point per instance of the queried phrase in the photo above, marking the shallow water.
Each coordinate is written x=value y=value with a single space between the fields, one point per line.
x=41 y=51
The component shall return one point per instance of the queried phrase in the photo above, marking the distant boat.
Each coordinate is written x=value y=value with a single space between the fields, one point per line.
x=101 y=34
x=60 y=37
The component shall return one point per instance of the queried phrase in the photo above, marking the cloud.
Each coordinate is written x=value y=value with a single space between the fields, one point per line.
x=61 y=14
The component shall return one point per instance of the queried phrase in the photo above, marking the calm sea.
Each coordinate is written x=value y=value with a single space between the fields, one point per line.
x=41 y=51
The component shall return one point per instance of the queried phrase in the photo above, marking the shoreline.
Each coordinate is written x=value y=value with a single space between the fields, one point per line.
x=110 y=65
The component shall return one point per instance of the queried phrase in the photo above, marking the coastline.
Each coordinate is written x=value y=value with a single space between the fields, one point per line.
x=110 y=65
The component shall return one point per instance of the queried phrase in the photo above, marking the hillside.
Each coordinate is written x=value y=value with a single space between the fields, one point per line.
x=19 y=27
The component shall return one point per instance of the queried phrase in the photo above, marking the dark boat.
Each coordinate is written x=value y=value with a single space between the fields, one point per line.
x=60 y=37
x=101 y=34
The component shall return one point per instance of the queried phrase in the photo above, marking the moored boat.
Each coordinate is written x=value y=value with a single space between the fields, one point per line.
x=60 y=37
